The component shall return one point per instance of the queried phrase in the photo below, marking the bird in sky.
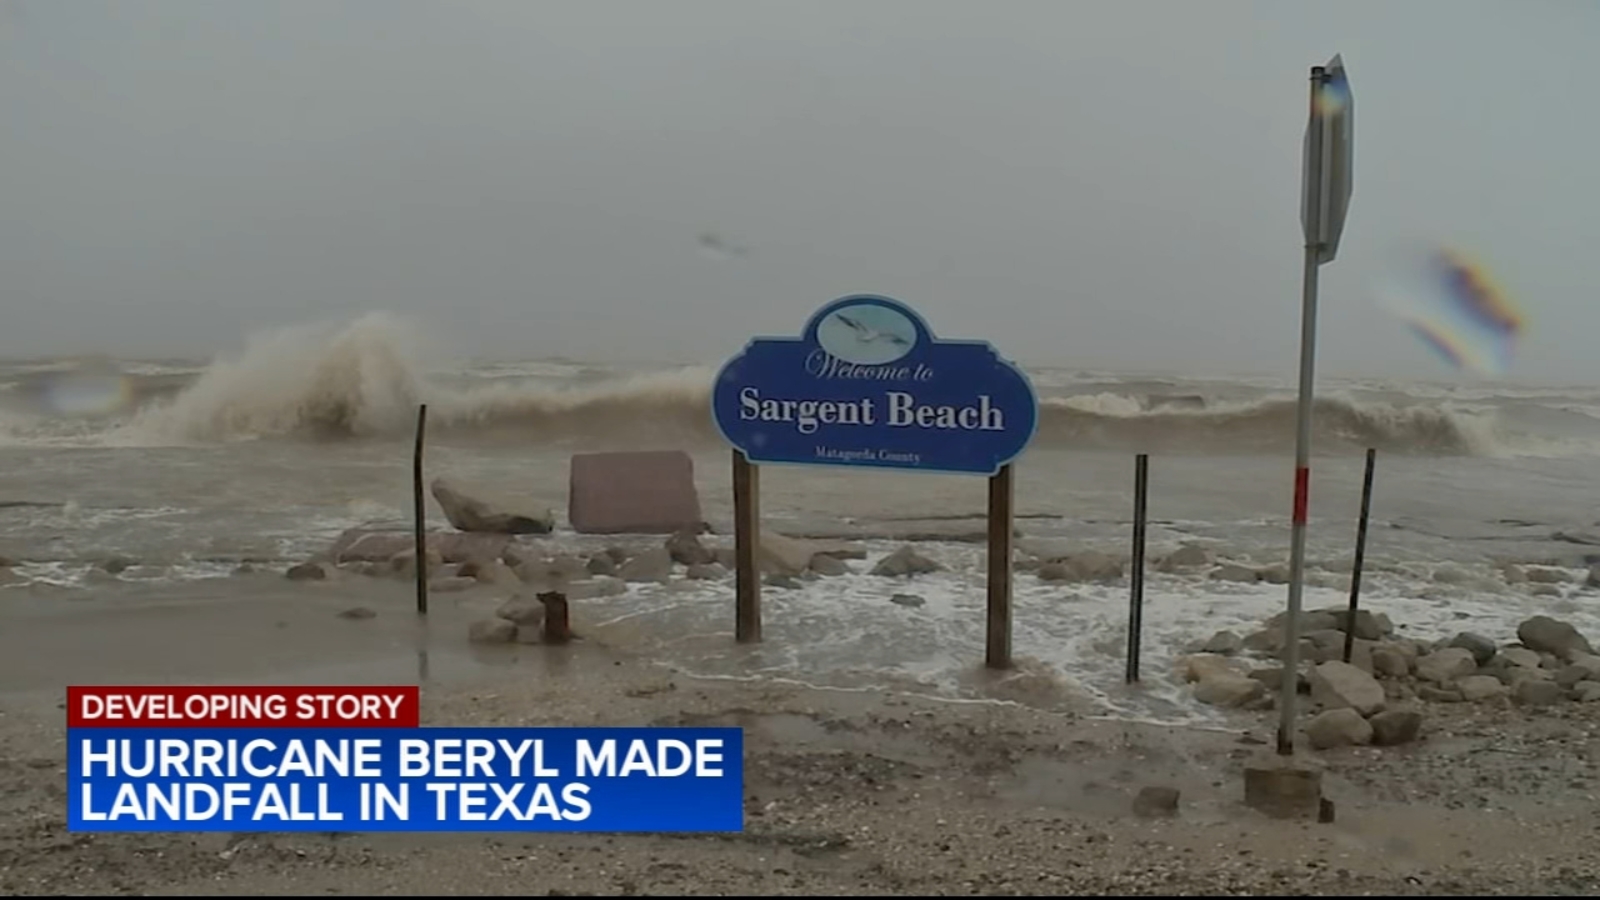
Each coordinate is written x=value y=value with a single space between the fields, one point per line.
x=716 y=247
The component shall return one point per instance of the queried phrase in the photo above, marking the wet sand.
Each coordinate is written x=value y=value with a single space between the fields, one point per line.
x=846 y=791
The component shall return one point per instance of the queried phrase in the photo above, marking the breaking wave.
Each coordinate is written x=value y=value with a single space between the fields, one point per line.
x=1267 y=424
x=366 y=378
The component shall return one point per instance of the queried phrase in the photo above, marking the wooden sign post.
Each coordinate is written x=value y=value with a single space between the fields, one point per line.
x=746 y=549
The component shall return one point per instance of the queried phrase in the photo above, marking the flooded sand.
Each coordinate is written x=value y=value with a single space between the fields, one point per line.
x=846 y=791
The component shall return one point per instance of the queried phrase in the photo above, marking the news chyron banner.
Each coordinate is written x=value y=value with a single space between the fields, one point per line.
x=247 y=759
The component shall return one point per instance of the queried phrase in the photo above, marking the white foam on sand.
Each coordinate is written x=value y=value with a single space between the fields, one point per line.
x=844 y=631
x=78 y=574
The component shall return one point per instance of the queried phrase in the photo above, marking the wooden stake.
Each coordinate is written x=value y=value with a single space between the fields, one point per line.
x=998 y=653
x=746 y=543
x=557 y=626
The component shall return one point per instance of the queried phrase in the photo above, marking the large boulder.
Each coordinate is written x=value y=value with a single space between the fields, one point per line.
x=1342 y=727
x=370 y=545
x=1277 y=573
x=1395 y=726
x=1156 y=802
x=1228 y=689
x=1189 y=556
x=1197 y=666
x=1337 y=685
x=904 y=561
x=522 y=610
x=1234 y=572
x=310 y=571
x=476 y=514
x=778 y=554
x=824 y=564
x=1089 y=565
x=404 y=563
x=1272 y=677
x=1390 y=662
x=1534 y=692
x=685 y=548
x=1226 y=643
x=1057 y=560
x=1582 y=668
x=1447 y=665
x=1547 y=574
x=492 y=631
x=378 y=545
x=1475 y=688
x=705 y=572
x=1368 y=625
x=1481 y=648
x=1310 y=620
x=1520 y=657
x=1543 y=634
x=654 y=564
x=491 y=572
x=1510 y=675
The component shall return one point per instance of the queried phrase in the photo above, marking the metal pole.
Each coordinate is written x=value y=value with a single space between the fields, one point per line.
x=1315 y=194
x=420 y=511
x=1361 y=555
x=1141 y=483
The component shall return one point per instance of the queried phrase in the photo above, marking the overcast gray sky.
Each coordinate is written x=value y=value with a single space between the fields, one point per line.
x=1098 y=183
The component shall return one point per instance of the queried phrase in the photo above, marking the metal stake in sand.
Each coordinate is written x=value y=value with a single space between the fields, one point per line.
x=1141 y=484
x=1361 y=555
x=1325 y=192
x=419 y=512
x=1002 y=494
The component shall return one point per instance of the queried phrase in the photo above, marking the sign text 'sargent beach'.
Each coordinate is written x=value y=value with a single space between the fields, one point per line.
x=867 y=384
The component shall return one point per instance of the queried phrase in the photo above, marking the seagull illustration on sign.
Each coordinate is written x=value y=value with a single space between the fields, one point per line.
x=867 y=334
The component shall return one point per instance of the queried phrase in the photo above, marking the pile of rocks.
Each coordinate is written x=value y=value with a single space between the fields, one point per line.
x=458 y=561
x=1377 y=696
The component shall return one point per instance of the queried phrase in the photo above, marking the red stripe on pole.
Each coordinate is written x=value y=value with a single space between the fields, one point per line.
x=1302 y=494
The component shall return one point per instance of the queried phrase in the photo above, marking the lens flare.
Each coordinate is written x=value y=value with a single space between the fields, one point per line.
x=83 y=394
x=1454 y=306
x=1333 y=95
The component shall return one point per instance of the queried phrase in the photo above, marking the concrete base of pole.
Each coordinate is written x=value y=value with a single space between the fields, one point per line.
x=1285 y=789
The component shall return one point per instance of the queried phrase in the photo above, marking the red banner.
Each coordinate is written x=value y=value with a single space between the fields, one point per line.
x=244 y=707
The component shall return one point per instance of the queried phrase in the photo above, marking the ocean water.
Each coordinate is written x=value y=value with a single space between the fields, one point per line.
x=185 y=468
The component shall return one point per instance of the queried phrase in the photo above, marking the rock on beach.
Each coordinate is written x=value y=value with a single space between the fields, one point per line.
x=470 y=512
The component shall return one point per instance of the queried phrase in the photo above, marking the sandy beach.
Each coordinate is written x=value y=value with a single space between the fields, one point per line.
x=846 y=791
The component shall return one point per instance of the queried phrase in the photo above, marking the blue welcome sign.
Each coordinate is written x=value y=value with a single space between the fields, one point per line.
x=867 y=384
